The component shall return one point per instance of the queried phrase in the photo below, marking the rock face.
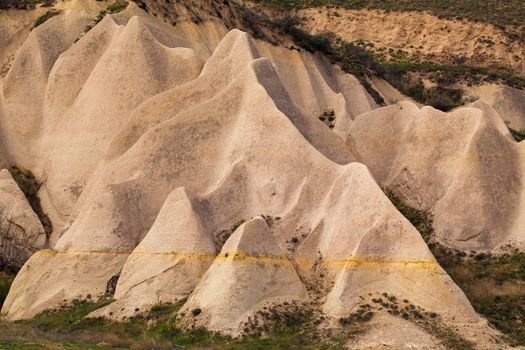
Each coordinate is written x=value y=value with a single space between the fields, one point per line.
x=250 y=272
x=21 y=233
x=463 y=166
x=168 y=263
x=157 y=141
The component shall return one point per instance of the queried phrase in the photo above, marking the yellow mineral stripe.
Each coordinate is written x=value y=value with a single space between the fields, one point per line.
x=255 y=259
x=377 y=262
x=366 y=262
x=373 y=262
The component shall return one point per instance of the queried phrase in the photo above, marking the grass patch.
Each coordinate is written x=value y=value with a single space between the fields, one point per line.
x=506 y=313
x=399 y=61
x=49 y=13
x=495 y=285
x=66 y=328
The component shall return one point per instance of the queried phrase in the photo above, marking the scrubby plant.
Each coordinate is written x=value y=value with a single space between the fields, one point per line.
x=30 y=186
x=15 y=246
x=364 y=313
x=519 y=135
x=222 y=236
x=47 y=15
x=444 y=99
x=421 y=219
x=328 y=118
x=270 y=220
x=117 y=6
x=5 y=284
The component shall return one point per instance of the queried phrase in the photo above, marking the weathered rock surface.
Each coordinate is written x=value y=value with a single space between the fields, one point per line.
x=463 y=166
x=168 y=263
x=157 y=141
x=250 y=272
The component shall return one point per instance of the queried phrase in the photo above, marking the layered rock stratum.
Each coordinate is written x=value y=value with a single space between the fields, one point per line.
x=154 y=140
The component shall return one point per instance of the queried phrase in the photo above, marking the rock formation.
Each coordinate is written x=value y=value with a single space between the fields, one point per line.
x=156 y=141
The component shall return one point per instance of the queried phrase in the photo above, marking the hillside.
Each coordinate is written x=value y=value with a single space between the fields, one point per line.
x=223 y=174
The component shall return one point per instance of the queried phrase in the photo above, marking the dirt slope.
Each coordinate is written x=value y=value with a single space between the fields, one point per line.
x=421 y=35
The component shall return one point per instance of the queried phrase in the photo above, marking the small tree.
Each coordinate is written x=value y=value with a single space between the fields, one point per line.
x=15 y=245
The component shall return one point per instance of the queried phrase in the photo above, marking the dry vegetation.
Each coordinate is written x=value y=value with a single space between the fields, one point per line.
x=495 y=285
x=282 y=326
x=15 y=245
x=5 y=284
x=509 y=13
x=496 y=288
x=403 y=71
x=30 y=187
x=24 y=4
x=47 y=15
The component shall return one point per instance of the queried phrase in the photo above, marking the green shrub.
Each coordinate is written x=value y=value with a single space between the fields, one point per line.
x=49 y=13
x=506 y=313
x=443 y=99
x=5 y=284
x=117 y=6
x=328 y=118
x=222 y=236
x=311 y=43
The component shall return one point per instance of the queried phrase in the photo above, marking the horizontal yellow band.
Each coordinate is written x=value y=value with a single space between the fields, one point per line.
x=367 y=262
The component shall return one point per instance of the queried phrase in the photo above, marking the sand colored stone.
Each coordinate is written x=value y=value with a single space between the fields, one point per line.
x=250 y=272
x=155 y=140
x=463 y=166
x=169 y=262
